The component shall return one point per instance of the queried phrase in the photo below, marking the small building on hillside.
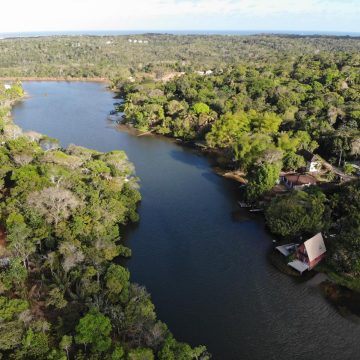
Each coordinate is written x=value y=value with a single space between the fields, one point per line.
x=206 y=72
x=309 y=254
x=313 y=162
x=298 y=181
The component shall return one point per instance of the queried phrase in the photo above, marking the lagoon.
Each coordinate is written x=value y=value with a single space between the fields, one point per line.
x=203 y=259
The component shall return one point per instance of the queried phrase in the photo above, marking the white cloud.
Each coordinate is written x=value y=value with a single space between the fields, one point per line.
x=46 y=15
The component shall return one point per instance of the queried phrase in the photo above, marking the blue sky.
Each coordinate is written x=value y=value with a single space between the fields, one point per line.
x=67 y=15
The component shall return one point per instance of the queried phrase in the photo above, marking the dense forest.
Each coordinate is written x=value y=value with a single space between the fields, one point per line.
x=261 y=117
x=154 y=54
x=261 y=102
x=63 y=293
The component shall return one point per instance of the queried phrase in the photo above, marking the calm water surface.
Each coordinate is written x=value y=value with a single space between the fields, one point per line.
x=206 y=270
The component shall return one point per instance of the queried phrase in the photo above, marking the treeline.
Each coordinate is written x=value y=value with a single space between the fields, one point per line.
x=259 y=116
x=156 y=55
x=62 y=295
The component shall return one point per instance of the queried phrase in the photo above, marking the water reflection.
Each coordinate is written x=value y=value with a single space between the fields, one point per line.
x=203 y=260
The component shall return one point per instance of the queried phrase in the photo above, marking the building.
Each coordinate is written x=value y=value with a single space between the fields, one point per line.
x=203 y=73
x=298 y=181
x=287 y=249
x=309 y=254
x=313 y=162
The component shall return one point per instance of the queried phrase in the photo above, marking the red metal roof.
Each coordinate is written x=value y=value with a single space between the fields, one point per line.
x=300 y=179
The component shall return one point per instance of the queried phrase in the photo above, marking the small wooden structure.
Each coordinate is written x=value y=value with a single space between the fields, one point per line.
x=244 y=205
x=287 y=249
x=298 y=266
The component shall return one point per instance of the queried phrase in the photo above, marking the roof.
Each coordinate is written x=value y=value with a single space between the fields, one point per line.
x=315 y=246
x=300 y=179
x=298 y=265
x=286 y=249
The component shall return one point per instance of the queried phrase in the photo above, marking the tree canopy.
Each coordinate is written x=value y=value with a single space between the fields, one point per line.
x=62 y=296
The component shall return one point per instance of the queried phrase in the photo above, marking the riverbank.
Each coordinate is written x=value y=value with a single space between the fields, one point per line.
x=188 y=240
x=65 y=78
x=273 y=257
x=219 y=162
x=84 y=220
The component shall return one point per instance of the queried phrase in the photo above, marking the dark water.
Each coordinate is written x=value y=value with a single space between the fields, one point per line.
x=207 y=272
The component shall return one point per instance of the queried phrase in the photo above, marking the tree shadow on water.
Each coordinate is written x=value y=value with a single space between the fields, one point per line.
x=189 y=158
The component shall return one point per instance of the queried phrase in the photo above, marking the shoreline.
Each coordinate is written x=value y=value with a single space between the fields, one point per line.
x=342 y=298
x=232 y=175
x=39 y=308
x=60 y=78
x=216 y=165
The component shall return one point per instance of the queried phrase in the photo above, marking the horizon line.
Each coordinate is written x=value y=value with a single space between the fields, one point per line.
x=181 y=30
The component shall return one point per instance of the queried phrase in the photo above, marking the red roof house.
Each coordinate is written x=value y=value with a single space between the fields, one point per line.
x=309 y=254
x=298 y=181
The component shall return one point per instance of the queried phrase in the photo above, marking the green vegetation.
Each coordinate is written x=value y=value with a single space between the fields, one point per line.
x=336 y=214
x=116 y=57
x=10 y=94
x=345 y=205
x=260 y=115
x=297 y=213
x=265 y=100
x=262 y=179
x=261 y=100
x=62 y=296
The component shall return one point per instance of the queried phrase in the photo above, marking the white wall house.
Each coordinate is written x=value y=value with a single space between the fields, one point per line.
x=313 y=162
